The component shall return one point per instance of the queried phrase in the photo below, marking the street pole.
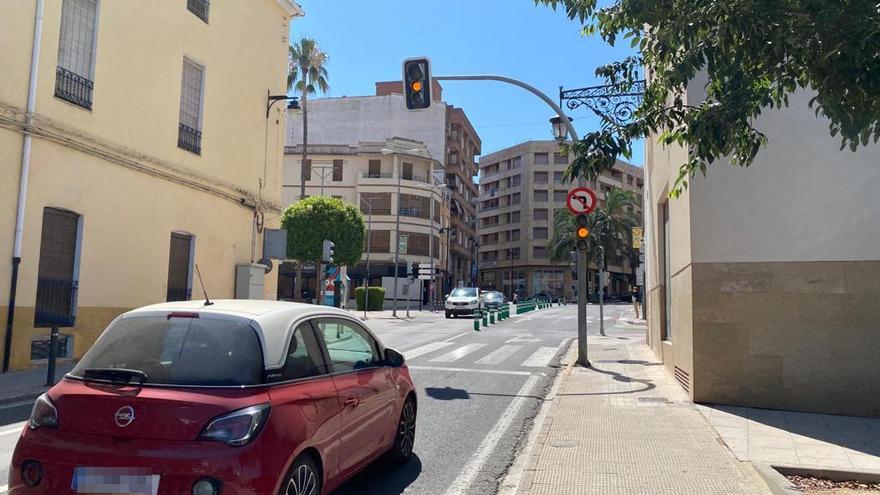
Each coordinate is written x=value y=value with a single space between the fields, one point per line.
x=397 y=230
x=367 y=279
x=431 y=247
x=602 y=290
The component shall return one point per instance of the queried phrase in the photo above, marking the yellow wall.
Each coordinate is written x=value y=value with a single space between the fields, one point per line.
x=119 y=166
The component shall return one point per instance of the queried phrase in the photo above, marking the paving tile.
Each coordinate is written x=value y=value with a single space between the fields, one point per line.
x=864 y=461
x=818 y=452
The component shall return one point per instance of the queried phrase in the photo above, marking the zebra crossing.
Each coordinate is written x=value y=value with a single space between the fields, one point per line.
x=507 y=355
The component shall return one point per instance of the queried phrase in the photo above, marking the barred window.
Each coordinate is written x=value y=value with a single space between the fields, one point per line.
x=191 y=95
x=77 y=40
x=337 y=170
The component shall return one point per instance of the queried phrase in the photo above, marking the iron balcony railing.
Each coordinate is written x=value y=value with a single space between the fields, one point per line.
x=410 y=211
x=377 y=175
x=376 y=211
x=73 y=88
x=179 y=295
x=56 y=303
x=189 y=139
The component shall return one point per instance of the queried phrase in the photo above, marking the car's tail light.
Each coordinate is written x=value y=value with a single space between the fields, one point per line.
x=238 y=427
x=43 y=413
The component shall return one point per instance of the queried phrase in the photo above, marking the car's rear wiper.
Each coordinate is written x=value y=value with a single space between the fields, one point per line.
x=115 y=375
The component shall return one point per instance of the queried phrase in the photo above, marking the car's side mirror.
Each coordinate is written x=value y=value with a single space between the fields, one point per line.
x=393 y=358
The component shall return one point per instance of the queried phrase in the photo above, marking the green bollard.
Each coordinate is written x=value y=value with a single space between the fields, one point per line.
x=492 y=317
x=476 y=320
x=485 y=319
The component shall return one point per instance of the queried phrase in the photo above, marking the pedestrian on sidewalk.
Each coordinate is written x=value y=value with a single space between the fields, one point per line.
x=636 y=299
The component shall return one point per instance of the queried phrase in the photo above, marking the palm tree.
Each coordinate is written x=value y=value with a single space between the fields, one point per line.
x=308 y=75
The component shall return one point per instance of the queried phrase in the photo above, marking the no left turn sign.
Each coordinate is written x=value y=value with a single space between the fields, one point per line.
x=581 y=200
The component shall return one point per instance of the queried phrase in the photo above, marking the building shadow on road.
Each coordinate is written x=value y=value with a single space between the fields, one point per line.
x=383 y=478
x=448 y=393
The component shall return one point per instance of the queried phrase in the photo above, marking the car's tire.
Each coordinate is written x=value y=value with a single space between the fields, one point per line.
x=303 y=478
x=405 y=435
x=448 y=316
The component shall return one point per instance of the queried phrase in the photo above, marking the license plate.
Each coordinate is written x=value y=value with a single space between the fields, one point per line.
x=114 y=480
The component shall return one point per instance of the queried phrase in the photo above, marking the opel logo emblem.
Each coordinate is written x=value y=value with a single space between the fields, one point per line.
x=124 y=416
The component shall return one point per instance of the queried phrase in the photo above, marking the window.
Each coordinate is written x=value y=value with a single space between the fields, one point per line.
x=374 y=170
x=559 y=195
x=76 y=52
x=541 y=196
x=560 y=159
x=539 y=232
x=515 y=162
x=541 y=177
x=557 y=177
x=349 y=346
x=40 y=347
x=516 y=180
x=515 y=198
x=513 y=253
x=57 y=273
x=515 y=217
x=307 y=169
x=539 y=252
x=337 y=170
x=199 y=8
x=303 y=356
x=540 y=214
x=514 y=235
x=542 y=159
x=174 y=351
x=407 y=171
x=189 y=136
x=380 y=241
x=180 y=268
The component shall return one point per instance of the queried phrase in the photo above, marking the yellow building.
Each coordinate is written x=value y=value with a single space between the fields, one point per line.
x=135 y=145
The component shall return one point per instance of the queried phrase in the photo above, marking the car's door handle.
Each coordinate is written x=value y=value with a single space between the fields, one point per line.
x=351 y=402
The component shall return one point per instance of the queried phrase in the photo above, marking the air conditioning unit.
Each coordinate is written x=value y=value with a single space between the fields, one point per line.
x=249 y=281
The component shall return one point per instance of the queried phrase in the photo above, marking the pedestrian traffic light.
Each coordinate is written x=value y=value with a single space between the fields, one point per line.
x=581 y=232
x=414 y=270
x=327 y=251
x=417 y=83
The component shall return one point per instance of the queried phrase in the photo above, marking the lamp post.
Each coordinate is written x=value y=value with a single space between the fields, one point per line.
x=448 y=231
x=367 y=279
x=397 y=170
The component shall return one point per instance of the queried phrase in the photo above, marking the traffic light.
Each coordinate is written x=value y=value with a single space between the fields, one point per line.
x=581 y=232
x=327 y=251
x=417 y=83
x=414 y=270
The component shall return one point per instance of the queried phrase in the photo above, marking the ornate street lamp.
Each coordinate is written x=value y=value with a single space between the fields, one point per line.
x=560 y=128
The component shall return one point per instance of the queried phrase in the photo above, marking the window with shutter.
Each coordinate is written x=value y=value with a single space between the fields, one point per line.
x=76 y=46
x=199 y=8
x=190 y=129
x=337 y=170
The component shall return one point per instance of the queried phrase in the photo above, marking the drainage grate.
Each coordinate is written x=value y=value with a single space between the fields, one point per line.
x=660 y=400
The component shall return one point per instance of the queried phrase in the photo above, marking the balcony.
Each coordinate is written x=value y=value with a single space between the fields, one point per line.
x=189 y=139
x=73 y=88
x=56 y=303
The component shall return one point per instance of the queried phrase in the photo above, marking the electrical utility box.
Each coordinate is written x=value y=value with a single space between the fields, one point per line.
x=249 y=280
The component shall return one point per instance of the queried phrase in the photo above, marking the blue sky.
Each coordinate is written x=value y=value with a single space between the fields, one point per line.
x=367 y=40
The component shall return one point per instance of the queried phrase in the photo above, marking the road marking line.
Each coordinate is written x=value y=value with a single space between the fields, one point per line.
x=418 y=351
x=457 y=336
x=499 y=355
x=457 y=354
x=464 y=481
x=16 y=429
x=4 y=489
x=541 y=357
x=475 y=370
x=17 y=404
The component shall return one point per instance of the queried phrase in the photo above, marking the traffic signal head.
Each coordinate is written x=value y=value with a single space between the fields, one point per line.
x=581 y=232
x=417 y=83
x=414 y=270
x=327 y=251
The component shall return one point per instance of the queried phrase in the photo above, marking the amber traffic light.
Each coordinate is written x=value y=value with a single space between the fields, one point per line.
x=581 y=232
x=417 y=83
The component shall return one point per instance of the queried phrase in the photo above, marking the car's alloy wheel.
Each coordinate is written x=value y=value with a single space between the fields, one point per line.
x=406 y=432
x=303 y=478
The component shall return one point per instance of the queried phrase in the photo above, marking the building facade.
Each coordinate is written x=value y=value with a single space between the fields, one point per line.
x=127 y=164
x=520 y=189
x=382 y=179
x=446 y=133
x=764 y=282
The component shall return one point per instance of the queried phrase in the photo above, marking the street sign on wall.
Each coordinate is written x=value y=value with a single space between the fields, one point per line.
x=637 y=233
x=580 y=200
x=403 y=243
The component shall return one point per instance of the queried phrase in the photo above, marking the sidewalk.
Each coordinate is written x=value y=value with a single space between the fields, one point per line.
x=27 y=385
x=401 y=314
x=626 y=427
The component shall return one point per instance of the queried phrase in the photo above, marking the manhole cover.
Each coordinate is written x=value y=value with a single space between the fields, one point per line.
x=660 y=400
x=564 y=444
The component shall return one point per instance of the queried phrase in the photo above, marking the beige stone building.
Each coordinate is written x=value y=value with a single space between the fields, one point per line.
x=381 y=179
x=764 y=283
x=520 y=188
x=135 y=146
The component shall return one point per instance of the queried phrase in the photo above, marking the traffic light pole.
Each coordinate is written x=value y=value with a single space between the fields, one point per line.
x=582 y=182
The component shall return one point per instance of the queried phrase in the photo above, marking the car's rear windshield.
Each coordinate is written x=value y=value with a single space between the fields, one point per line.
x=494 y=296
x=180 y=351
x=464 y=293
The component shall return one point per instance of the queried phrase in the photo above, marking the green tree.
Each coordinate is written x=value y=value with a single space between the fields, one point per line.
x=756 y=53
x=308 y=75
x=309 y=221
x=610 y=226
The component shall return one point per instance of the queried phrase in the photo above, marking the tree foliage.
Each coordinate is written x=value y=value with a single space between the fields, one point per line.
x=306 y=70
x=756 y=53
x=309 y=221
x=610 y=226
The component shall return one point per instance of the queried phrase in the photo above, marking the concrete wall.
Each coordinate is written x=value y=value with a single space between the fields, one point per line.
x=370 y=118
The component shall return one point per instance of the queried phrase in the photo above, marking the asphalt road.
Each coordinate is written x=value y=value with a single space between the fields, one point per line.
x=477 y=395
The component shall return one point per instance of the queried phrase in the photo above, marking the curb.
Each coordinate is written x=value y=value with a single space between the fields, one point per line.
x=775 y=478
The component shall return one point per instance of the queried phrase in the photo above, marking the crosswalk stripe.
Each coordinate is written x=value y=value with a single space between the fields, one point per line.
x=499 y=355
x=457 y=354
x=419 y=351
x=541 y=357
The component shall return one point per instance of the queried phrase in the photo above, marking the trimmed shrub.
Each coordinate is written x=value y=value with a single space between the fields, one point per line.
x=377 y=298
